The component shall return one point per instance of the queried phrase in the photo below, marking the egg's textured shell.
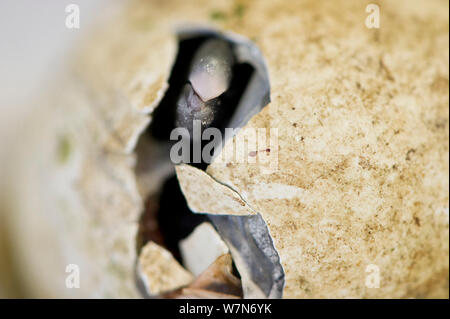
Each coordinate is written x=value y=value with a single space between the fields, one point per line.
x=363 y=165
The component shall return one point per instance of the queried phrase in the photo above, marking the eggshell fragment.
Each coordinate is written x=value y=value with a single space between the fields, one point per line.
x=160 y=271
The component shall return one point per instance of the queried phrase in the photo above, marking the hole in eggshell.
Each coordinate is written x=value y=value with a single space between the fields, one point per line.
x=167 y=220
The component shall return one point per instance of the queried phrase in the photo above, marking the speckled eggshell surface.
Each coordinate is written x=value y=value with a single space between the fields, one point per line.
x=361 y=181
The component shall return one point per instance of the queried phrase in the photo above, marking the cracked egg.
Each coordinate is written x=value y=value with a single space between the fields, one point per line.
x=361 y=176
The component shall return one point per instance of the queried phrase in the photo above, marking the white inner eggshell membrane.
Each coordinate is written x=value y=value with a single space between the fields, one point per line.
x=201 y=248
x=211 y=69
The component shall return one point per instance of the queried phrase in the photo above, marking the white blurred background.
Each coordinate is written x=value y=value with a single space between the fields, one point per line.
x=34 y=43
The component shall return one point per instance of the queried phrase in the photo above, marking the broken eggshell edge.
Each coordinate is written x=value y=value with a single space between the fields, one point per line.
x=361 y=178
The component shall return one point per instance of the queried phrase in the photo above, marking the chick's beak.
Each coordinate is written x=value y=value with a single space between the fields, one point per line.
x=192 y=99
